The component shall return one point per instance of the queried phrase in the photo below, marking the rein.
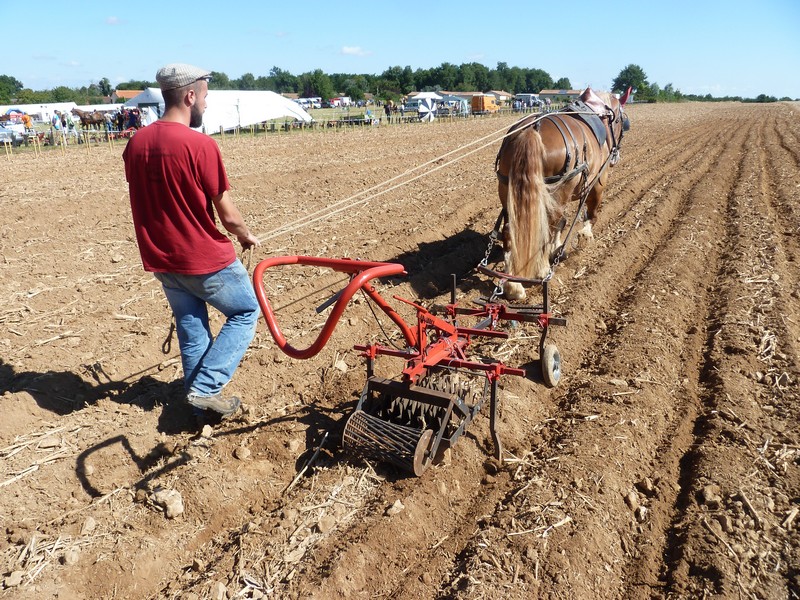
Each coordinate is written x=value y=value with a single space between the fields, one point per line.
x=559 y=254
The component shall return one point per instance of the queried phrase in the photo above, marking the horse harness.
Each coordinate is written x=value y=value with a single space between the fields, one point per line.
x=594 y=121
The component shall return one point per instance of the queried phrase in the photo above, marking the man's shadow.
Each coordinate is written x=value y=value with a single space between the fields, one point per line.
x=65 y=392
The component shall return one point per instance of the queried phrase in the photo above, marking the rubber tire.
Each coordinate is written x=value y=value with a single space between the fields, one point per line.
x=551 y=365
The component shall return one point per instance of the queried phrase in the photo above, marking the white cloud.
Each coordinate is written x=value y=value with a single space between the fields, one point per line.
x=113 y=21
x=355 y=51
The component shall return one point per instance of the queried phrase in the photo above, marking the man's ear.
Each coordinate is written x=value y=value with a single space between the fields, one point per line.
x=190 y=98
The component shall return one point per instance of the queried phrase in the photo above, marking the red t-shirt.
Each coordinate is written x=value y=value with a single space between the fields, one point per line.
x=173 y=172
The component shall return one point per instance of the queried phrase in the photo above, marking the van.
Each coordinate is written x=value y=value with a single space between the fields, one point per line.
x=529 y=100
x=484 y=103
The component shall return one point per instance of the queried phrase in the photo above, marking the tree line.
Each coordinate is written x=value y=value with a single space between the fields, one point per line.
x=394 y=83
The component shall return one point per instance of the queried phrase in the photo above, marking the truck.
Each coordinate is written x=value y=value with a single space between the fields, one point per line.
x=528 y=100
x=484 y=103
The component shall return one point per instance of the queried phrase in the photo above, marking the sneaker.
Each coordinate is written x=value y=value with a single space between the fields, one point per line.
x=223 y=406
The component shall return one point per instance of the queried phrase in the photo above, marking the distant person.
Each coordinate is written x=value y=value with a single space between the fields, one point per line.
x=56 y=135
x=177 y=183
x=69 y=127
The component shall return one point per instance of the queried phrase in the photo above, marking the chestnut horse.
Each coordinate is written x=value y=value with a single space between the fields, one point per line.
x=90 y=120
x=546 y=161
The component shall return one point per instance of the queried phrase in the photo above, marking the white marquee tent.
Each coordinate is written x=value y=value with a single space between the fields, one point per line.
x=226 y=109
x=40 y=112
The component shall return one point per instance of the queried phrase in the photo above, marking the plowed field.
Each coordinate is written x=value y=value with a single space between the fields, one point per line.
x=666 y=463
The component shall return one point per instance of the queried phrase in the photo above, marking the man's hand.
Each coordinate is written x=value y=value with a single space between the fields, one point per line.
x=232 y=221
x=248 y=241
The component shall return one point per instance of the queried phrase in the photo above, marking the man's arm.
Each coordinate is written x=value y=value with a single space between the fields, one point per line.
x=232 y=220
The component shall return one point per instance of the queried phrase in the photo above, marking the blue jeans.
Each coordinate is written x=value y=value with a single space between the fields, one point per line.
x=208 y=363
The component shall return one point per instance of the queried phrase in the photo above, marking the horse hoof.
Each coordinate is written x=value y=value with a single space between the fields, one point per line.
x=513 y=291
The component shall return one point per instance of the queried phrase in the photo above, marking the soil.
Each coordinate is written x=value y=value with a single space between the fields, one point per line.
x=665 y=464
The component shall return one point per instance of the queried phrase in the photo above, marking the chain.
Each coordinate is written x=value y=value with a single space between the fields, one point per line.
x=492 y=242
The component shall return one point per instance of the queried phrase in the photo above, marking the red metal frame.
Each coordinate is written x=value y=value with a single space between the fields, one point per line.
x=361 y=273
x=433 y=342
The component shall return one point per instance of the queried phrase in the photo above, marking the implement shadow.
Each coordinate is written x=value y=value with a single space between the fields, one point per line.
x=164 y=458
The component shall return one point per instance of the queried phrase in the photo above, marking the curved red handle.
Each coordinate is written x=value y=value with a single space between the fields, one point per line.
x=363 y=272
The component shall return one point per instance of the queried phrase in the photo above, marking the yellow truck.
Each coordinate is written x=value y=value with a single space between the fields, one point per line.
x=484 y=103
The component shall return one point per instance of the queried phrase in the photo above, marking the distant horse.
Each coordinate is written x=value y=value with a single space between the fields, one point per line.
x=545 y=162
x=90 y=120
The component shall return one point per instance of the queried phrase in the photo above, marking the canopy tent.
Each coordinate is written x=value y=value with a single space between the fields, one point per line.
x=426 y=105
x=461 y=105
x=226 y=109
x=427 y=96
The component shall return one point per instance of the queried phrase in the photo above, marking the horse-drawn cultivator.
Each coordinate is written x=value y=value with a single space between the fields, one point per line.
x=544 y=162
x=411 y=420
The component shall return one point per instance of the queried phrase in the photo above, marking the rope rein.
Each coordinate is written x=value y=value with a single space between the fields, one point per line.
x=366 y=196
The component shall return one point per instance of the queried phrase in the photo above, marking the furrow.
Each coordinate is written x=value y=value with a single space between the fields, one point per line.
x=710 y=511
x=579 y=384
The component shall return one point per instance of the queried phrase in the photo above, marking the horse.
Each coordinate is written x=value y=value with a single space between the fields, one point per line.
x=90 y=120
x=546 y=161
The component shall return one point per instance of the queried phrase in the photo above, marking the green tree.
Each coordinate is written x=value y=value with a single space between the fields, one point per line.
x=284 y=81
x=28 y=96
x=355 y=87
x=392 y=77
x=219 y=81
x=562 y=84
x=245 y=82
x=537 y=80
x=516 y=82
x=136 y=85
x=265 y=83
x=105 y=86
x=63 y=94
x=631 y=76
x=444 y=77
x=407 y=80
x=502 y=77
x=398 y=79
x=316 y=83
x=9 y=87
x=423 y=78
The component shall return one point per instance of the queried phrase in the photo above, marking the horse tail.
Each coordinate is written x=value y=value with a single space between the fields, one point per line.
x=529 y=205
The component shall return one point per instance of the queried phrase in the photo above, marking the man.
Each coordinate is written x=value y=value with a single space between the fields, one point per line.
x=177 y=181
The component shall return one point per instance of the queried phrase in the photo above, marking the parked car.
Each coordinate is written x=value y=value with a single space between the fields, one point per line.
x=10 y=135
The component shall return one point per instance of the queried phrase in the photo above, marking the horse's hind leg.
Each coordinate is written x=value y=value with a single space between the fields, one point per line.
x=593 y=201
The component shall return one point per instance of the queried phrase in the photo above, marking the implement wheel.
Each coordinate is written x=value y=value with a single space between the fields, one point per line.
x=551 y=365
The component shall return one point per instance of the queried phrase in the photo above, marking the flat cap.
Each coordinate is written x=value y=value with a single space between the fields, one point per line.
x=177 y=75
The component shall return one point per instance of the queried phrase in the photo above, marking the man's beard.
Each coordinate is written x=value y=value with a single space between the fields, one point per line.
x=195 y=118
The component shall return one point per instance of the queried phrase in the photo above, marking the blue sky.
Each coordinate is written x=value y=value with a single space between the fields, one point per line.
x=700 y=47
